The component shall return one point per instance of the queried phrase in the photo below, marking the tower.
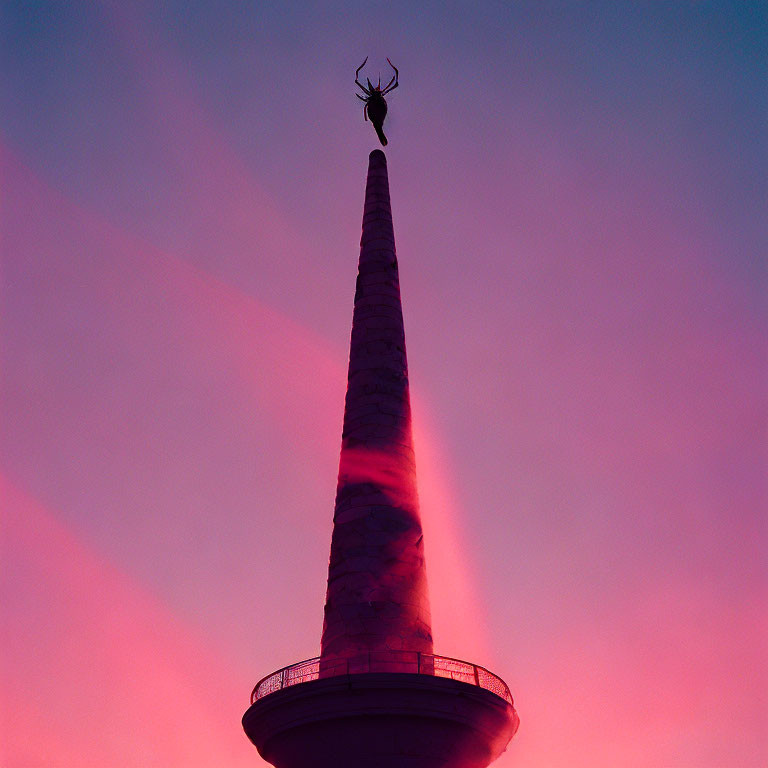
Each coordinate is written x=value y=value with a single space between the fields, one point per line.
x=378 y=696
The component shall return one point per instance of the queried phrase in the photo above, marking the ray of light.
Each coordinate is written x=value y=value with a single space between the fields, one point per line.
x=101 y=671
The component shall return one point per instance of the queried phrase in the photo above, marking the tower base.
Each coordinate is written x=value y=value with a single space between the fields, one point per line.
x=381 y=720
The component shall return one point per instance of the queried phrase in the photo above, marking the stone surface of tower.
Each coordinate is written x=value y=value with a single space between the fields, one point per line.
x=378 y=696
x=377 y=586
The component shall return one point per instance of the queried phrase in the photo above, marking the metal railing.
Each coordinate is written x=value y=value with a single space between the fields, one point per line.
x=382 y=661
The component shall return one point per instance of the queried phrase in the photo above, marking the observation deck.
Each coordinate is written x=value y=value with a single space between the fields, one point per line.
x=381 y=709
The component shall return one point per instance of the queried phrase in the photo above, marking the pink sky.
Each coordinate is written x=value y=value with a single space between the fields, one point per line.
x=583 y=276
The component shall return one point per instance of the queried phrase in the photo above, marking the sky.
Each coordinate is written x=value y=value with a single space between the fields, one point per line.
x=578 y=193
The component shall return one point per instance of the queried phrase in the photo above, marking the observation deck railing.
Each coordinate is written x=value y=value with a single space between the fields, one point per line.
x=382 y=661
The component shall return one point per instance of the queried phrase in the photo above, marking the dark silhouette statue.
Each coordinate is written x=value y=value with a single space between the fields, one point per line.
x=375 y=104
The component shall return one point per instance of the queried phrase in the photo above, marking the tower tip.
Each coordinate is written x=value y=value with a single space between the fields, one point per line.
x=378 y=155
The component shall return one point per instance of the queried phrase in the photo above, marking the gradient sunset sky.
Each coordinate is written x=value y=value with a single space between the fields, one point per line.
x=579 y=199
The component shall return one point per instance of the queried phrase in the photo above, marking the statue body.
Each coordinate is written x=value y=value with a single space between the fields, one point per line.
x=375 y=103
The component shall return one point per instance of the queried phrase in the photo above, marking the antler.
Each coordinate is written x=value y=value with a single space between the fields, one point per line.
x=357 y=72
x=395 y=79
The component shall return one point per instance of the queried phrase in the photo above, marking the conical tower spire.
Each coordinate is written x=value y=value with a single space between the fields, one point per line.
x=377 y=597
x=378 y=696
